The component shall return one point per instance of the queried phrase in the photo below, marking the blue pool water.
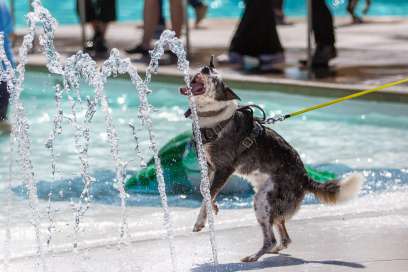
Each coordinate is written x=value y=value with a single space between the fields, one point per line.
x=131 y=10
x=368 y=137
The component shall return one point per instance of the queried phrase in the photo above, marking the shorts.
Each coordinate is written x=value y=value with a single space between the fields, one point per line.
x=99 y=10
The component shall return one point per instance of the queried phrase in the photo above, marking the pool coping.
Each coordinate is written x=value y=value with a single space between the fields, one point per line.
x=280 y=85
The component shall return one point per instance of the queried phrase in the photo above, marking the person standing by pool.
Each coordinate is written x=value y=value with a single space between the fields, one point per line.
x=6 y=27
x=256 y=47
x=99 y=14
x=151 y=13
x=323 y=30
x=200 y=9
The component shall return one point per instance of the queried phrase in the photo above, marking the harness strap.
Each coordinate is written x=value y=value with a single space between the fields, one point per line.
x=211 y=134
x=250 y=140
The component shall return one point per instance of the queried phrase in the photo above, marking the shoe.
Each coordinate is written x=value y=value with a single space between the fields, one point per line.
x=357 y=20
x=230 y=58
x=265 y=64
x=138 y=49
x=5 y=127
x=200 y=12
x=323 y=54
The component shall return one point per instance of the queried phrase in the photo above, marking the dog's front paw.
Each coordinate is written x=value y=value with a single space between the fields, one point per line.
x=249 y=259
x=198 y=227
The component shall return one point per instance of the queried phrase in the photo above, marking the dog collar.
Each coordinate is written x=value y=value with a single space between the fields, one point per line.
x=205 y=113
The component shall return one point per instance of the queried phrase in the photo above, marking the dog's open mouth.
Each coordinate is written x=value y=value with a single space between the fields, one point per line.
x=197 y=88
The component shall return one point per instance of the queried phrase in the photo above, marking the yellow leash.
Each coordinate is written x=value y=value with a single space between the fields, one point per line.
x=335 y=101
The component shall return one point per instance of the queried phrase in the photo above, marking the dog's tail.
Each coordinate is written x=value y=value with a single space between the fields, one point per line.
x=336 y=191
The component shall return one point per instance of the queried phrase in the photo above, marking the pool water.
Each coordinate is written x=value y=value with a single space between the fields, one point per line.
x=130 y=10
x=369 y=137
x=355 y=135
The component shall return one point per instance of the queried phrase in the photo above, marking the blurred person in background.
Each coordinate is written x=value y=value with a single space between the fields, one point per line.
x=6 y=27
x=151 y=17
x=200 y=10
x=256 y=47
x=99 y=13
x=323 y=30
x=279 y=13
x=351 y=7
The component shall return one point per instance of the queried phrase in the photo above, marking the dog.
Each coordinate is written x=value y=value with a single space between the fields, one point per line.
x=235 y=142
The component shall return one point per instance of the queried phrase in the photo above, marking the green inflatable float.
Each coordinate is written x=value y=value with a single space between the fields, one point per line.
x=182 y=172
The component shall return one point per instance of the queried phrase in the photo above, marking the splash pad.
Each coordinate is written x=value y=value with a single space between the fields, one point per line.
x=73 y=71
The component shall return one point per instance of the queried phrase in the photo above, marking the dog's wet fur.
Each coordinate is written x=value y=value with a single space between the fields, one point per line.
x=271 y=165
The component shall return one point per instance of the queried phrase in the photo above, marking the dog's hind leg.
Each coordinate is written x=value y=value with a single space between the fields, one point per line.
x=218 y=180
x=284 y=237
x=265 y=217
x=268 y=243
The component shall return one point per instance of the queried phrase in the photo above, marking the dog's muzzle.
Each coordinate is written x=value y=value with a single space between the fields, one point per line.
x=197 y=86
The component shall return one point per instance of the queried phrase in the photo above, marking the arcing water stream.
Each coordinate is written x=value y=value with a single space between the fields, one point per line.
x=73 y=70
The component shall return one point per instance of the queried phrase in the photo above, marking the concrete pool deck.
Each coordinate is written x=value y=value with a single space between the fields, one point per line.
x=370 y=54
x=368 y=234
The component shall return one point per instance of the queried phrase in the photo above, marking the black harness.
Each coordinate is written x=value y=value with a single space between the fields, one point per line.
x=209 y=135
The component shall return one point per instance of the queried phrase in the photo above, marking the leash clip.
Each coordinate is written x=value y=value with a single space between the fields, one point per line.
x=276 y=118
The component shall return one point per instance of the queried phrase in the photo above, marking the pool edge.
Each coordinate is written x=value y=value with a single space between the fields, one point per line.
x=279 y=85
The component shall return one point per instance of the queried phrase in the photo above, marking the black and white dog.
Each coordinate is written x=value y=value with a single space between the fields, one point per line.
x=236 y=143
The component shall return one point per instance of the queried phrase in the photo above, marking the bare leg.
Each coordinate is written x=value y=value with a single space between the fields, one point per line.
x=367 y=6
x=177 y=16
x=151 y=19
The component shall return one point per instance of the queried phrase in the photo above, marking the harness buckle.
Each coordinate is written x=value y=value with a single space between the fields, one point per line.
x=247 y=142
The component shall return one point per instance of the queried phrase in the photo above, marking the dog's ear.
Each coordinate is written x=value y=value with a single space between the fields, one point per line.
x=229 y=94
x=212 y=62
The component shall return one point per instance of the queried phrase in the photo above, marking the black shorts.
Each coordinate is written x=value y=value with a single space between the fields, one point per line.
x=99 y=10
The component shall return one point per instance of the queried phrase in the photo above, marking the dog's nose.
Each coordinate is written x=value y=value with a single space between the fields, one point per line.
x=205 y=70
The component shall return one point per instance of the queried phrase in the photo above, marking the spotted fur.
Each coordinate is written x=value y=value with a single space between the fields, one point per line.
x=271 y=165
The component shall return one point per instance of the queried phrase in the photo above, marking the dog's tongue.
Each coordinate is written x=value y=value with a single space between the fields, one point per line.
x=196 y=89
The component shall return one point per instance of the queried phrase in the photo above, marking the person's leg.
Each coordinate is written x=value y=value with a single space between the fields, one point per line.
x=151 y=14
x=107 y=14
x=177 y=16
x=323 y=28
x=322 y=23
x=161 y=26
x=351 y=8
x=4 y=101
x=278 y=10
x=200 y=9
x=195 y=3
x=151 y=19
x=162 y=20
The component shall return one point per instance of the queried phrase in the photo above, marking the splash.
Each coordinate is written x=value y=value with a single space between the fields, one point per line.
x=75 y=69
